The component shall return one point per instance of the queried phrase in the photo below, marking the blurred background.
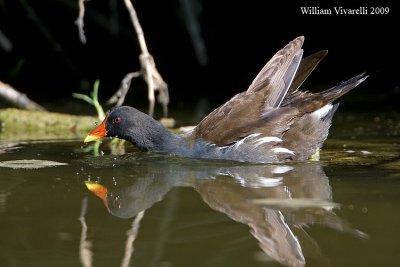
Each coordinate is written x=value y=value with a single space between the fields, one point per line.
x=206 y=51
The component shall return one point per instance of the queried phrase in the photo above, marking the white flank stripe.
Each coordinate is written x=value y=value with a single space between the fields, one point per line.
x=322 y=112
x=282 y=150
x=252 y=135
x=267 y=139
x=241 y=141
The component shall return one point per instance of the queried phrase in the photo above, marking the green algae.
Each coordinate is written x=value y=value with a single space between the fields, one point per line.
x=17 y=124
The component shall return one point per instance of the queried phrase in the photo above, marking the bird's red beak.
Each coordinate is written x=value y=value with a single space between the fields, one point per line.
x=97 y=133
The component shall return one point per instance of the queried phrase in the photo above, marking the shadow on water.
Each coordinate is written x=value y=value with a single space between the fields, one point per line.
x=276 y=202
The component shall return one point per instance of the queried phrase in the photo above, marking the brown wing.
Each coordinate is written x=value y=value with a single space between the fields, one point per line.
x=253 y=111
x=277 y=75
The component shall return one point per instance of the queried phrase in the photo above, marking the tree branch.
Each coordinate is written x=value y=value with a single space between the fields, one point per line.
x=17 y=98
x=79 y=21
x=148 y=70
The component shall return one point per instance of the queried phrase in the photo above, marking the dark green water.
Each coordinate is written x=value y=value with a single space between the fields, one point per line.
x=153 y=210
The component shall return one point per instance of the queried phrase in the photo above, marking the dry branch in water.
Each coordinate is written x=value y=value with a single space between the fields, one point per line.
x=132 y=234
x=17 y=98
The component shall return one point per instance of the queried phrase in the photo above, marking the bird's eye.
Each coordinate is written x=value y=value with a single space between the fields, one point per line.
x=116 y=120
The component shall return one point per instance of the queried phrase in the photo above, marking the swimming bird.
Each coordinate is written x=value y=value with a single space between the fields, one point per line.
x=272 y=121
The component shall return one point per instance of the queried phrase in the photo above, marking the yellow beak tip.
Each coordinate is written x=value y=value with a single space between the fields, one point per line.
x=90 y=138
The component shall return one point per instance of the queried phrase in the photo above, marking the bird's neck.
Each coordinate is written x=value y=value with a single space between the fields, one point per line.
x=166 y=141
x=155 y=137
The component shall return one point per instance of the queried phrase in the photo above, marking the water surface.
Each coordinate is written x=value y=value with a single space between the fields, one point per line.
x=128 y=208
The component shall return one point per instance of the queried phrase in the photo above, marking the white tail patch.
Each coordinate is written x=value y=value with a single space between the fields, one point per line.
x=277 y=150
x=322 y=112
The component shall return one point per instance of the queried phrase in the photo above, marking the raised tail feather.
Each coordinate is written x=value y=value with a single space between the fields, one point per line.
x=342 y=88
x=309 y=102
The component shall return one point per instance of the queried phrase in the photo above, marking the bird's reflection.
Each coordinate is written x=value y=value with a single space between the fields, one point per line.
x=276 y=201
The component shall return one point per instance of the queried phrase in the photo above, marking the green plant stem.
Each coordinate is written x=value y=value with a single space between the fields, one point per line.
x=99 y=108
x=93 y=100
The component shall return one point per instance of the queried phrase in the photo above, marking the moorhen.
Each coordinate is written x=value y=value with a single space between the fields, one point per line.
x=273 y=121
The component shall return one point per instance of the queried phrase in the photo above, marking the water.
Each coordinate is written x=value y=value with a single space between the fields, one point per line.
x=127 y=208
